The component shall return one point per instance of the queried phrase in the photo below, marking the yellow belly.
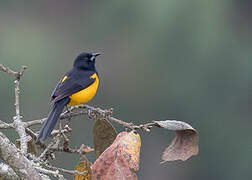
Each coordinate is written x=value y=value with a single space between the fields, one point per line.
x=84 y=95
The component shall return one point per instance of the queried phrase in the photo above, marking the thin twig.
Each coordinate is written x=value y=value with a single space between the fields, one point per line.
x=4 y=125
x=57 y=132
x=31 y=133
x=17 y=75
x=8 y=70
x=35 y=122
x=50 y=172
x=17 y=119
x=42 y=155
x=108 y=114
x=65 y=170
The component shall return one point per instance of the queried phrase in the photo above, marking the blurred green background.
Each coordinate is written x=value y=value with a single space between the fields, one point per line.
x=162 y=59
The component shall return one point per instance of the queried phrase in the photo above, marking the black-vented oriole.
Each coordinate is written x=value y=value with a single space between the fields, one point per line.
x=77 y=86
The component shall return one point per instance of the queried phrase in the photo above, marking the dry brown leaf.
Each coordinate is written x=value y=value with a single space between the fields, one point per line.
x=185 y=143
x=120 y=160
x=104 y=134
x=83 y=166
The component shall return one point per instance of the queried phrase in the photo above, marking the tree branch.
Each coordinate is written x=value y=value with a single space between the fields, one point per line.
x=50 y=172
x=16 y=160
x=7 y=173
x=4 y=125
x=18 y=124
x=17 y=75
x=66 y=170
x=17 y=120
x=94 y=113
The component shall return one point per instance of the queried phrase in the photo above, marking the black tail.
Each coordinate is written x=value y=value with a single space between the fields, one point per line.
x=50 y=123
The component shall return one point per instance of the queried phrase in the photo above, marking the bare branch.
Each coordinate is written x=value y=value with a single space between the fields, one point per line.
x=17 y=75
x=21 y=72
x=50 y=172
x=4 y=125
x=97 y=112
x=65 y=170
x=31 y=133
x=35 y=122
x=43 y=154
x=8 y=70
x=94 y=113
x=6 y=172
x=17 y=123
x=16 y=160
x=57 y=132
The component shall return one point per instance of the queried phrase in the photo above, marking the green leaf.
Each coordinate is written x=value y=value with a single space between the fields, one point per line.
x=104 y=134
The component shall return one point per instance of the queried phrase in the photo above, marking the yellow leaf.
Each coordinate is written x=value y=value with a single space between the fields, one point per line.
x=83 y=166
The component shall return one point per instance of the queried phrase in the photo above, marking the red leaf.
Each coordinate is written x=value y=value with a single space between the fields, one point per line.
x=120 y=160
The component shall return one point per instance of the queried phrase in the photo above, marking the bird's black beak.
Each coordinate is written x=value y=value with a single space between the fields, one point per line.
x=95 y=54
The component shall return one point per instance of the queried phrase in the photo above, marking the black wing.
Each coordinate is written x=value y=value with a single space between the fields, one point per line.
x=57 y=86
x=74 y=82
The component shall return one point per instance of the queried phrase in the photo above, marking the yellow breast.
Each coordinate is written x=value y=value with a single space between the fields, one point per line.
x=85 y=95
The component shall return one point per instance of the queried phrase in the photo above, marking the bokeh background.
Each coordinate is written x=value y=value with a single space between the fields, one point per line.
x=162 y=59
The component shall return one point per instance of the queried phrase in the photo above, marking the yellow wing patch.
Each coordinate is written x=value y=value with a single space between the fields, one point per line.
x=86 y=94
x=94 y=76
x=64 y=78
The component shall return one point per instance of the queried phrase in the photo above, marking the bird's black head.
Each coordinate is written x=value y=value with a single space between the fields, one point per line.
x=86 y=61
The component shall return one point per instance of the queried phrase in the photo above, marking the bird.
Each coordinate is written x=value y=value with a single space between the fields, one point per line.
x=77 y=86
